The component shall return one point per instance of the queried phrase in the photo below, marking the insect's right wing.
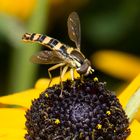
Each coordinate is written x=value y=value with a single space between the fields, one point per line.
x=74 y=28
x=46 y=57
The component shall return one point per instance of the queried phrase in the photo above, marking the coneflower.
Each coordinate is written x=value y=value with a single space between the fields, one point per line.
x=85 y=111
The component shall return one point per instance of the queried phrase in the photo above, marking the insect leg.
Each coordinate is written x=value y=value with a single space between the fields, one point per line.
x=72 y=74
x=52 y=68
x=82 y=78
x=62 y=73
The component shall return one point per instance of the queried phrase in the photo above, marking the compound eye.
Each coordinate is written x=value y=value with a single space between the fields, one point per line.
x=83 y=69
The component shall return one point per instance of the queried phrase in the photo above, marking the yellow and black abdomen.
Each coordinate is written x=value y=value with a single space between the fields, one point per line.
x=47 y=41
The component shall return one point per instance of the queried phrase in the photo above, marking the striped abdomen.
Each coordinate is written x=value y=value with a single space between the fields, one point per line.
x=47 y=41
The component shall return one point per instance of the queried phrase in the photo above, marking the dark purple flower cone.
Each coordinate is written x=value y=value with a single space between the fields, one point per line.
x=87 y=111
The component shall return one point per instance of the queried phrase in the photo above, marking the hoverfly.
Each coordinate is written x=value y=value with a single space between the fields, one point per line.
x=62 y=55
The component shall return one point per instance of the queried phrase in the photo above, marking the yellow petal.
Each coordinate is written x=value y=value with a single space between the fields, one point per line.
x=12 y=133
x=137 y=116
x=12 y=118
x=15 y=8
x=133 y=105
x=42 y=84
x=22 y=98
x=117 y=64
x=135 y=131
x=129 y=91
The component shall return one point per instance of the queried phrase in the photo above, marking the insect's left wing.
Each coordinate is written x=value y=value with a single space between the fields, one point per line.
x=74 y=28
x=46 y=57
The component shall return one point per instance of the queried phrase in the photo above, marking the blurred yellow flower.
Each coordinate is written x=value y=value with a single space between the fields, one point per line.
x=21 y=9
x=117 y=64
x=12 y=120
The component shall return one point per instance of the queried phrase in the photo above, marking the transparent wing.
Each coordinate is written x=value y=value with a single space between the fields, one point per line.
x=74 y=28
x=46 y=57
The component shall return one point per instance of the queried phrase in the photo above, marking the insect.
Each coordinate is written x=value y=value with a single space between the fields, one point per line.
x=60 y=54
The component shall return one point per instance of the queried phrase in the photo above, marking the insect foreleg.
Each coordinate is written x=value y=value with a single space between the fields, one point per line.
x=53 y=68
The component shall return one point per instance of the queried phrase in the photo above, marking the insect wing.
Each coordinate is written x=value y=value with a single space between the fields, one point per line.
x=74 y=28
x=46 y=57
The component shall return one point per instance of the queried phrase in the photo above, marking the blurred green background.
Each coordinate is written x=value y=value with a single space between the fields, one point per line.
x=110 y=38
